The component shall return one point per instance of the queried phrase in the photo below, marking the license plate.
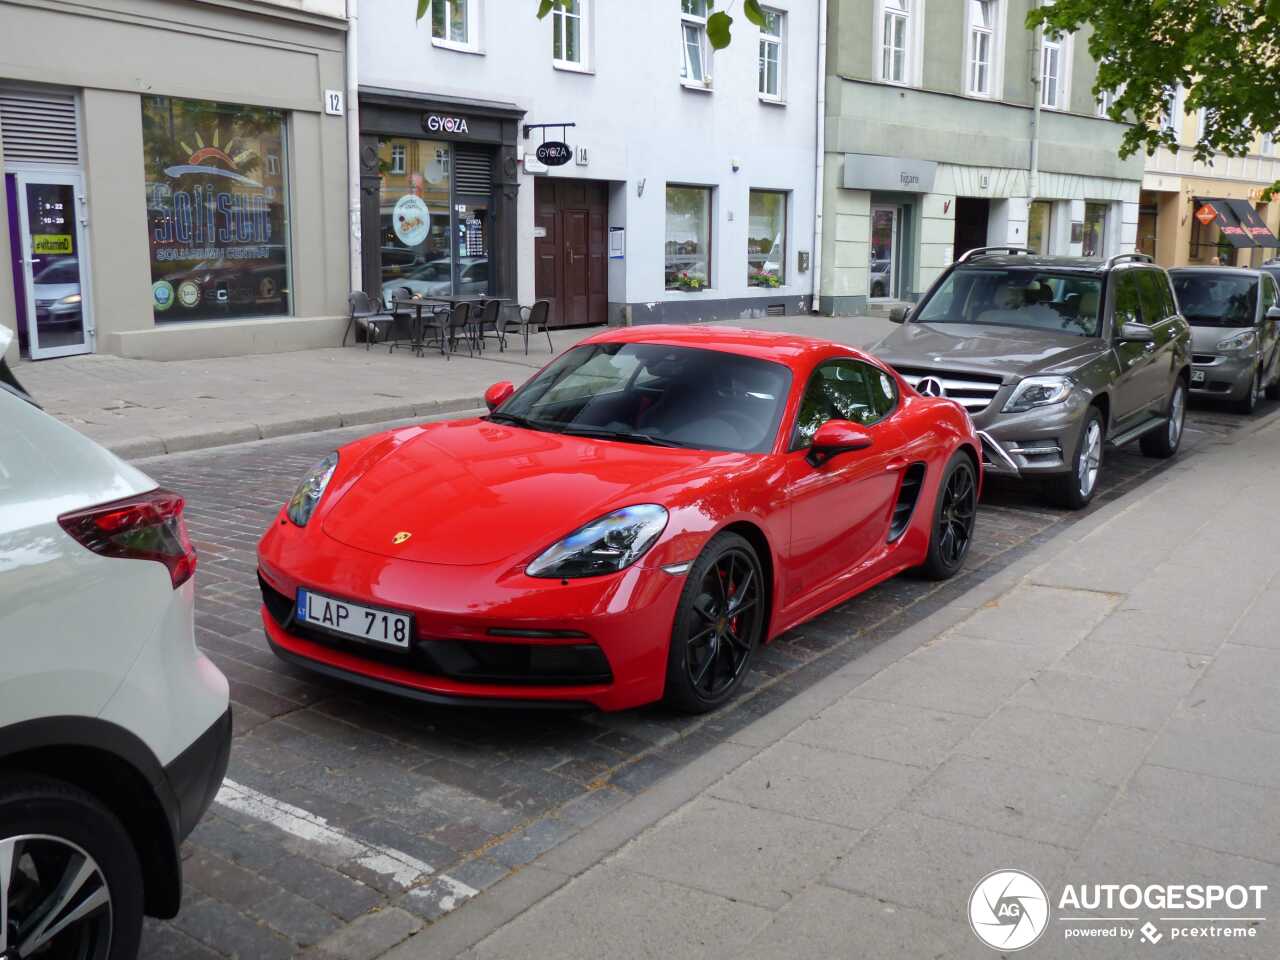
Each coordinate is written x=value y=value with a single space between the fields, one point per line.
x=354 y=620
x=1197 y=376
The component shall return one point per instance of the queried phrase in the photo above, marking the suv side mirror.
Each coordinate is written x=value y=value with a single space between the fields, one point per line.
x=497 y=395
x=1135 y=333
x=897 y=314
x=1273 y=313
x=835 y=437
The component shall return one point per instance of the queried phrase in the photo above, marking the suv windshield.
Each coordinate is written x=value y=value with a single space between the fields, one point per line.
x=1213 y=300
x=1017 y=297
x=656 y=394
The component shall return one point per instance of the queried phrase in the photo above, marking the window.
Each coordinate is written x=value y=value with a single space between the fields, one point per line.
x=569 y=34
x=1105 y=102
x=1171 y=116
x=895 y=23
x=1127 y=307
x=1202 y=116
x=688 y=248
x=771 y=40
x=397 y=157
x=1154 y=294
x=1039 y=225
x=1095 y=230
x=1268 y=144
x=453 y=23
x=843 y=390
x=217 y=209
x=1053 y=73
x=766 y=238
x=982 y=39
x=1022 y=297
x=693 y=41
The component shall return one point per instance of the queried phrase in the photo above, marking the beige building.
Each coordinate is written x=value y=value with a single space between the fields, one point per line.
x=1191 y=211
x=175 y=176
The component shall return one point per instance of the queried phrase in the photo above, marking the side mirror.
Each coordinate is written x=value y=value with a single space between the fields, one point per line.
x=1273 y=313
x=835 y=437
x=897 y=314
x=1135 y=333
x=497 y=395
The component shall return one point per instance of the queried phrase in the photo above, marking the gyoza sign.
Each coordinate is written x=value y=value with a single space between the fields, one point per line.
x=438 y=123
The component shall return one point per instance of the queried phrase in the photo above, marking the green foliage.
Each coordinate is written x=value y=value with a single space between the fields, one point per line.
x=1224 y=53
x=751 y=10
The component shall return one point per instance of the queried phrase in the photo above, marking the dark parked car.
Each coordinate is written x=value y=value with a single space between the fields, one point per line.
x=1053 y=357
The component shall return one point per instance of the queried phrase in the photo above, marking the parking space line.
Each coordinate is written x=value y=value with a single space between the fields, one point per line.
x=405 y=870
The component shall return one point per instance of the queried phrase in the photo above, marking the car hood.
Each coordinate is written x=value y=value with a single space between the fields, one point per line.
x=1011 y=352
x=1206 y=339
x=472 y=492
x=54 y=291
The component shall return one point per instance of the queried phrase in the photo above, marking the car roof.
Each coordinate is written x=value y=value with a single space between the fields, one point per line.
x=786 y=348
x=1223 y=271
x=1037 y=262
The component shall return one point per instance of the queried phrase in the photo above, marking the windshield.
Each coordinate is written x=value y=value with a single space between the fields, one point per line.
x=1214 y=300
x=1017 y=297
x=652 y=393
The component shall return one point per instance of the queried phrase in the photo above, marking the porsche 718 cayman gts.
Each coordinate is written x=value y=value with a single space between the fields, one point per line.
x=628 y=526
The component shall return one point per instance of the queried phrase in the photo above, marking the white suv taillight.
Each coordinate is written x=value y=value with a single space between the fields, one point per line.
x=145 y=527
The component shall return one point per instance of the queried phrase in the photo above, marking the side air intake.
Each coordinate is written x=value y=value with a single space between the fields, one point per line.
x=908 y=494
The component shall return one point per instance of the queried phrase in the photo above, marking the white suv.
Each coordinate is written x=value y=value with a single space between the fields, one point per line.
x=114 y=729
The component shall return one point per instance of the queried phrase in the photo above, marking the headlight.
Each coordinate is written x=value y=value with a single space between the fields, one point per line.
x=310 y=490
x=607 y=545
x=1240 y=341
x=70 y=299
x=1039 y=392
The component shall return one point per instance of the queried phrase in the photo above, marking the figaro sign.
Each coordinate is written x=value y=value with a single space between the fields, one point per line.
x=439 y=123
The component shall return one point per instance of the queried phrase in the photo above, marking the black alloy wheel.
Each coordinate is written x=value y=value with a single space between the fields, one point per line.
x=719 y=623
x=954 y=515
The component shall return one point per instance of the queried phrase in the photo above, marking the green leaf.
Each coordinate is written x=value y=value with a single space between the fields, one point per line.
x=718 y=25
x=751 y=10
x=545 y=7
x=423 y=7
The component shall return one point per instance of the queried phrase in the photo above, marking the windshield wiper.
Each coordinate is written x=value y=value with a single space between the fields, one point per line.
x=517 y=421
x=623 y=435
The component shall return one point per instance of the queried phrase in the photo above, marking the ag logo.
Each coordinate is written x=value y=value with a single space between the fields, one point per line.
x=401 y=537
x=1008 y=910
x=931 y=387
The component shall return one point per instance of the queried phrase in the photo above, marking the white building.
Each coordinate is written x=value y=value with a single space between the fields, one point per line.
x=688 y=167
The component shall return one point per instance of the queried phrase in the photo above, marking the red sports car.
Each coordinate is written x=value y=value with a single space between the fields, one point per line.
x=627 y=526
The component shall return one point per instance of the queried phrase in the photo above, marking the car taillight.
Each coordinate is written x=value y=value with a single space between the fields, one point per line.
x=146 y=527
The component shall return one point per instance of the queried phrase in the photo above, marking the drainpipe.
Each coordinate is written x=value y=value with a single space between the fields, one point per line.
x=353 y=147
x=1037 y=56
x=815 y=262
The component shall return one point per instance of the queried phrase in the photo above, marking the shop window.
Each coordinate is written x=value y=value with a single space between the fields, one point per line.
x=453 y=23
x=217 y=209
x=569 y=34
x=771 y=48
x=767 y=238
x=982 y=43
x=694 y=68
x=894 y=32
x=1039 y=226
x=414 y=223
x=1055 y=72
x=1095 y=230
x=688 y=246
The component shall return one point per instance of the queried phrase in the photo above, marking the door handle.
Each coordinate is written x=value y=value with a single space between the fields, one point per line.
x=894 y=466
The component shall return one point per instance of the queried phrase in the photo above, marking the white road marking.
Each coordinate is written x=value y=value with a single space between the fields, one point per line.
x=404 y=869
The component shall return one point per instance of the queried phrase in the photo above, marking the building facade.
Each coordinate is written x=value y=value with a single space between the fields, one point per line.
x=173 y=184
x=934 y=145
x=604 y=158
x=1196 y=212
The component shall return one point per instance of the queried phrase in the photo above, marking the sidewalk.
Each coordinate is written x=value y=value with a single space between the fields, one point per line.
x=1107 y=710
x=141 y=408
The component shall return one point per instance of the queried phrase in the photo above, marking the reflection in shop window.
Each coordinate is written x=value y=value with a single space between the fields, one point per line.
x=688 y=247
x=1039 y=225
x=414 y=217
x=1095 y=229
x=767 y=238
x=217 y=209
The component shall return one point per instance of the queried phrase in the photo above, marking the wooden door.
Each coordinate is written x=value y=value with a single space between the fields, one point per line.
x=571 y=255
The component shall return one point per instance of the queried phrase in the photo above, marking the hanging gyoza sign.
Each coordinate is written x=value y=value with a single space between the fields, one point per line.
x=554 y=153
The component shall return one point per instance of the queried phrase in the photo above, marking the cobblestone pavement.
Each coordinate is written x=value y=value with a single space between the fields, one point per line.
x=360 y=817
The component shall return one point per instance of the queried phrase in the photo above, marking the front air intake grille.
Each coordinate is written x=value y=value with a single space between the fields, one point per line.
x=973 y=391
x=908 y=497
x=1203 y=358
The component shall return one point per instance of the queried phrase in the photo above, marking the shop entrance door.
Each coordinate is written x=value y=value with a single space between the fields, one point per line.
x=884 y=251
x=51 y=262
x=570 y=250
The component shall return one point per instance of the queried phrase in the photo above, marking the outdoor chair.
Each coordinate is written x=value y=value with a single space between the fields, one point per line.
x=401 y=332
x=365 y=316
x=489 y=322
x=533 y=319
x=457 y=324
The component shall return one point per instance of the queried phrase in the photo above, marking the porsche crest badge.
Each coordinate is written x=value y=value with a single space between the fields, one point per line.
x=401 y=537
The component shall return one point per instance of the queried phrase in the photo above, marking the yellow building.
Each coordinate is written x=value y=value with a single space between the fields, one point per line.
x=1191 y=212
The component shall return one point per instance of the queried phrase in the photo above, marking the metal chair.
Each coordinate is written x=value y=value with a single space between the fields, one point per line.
x=366 y=316
x=489 y=322
x=533 y=318
x=401 y=332
x=458 y=323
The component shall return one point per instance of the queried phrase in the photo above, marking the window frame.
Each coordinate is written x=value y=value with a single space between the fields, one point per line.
x=1062 y=81
x=1173 y=120
x=779 y=42
x=698 y=23
x=995 y=50
x=786 y=232
x=1267 y=145
x=471 y=25
x=559 y=28
x=709 y=236
x=912 y=13
x=794 y=443
x=399 y=159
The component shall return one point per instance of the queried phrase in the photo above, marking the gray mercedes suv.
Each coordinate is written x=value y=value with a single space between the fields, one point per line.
x=1053 y=358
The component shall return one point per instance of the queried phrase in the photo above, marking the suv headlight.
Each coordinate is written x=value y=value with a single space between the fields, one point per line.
x=1240 y=341
x=303 y=502
x=1039 y=392
x=607 y=545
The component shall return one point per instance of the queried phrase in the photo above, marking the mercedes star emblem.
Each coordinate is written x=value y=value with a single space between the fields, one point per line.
x=931 y=387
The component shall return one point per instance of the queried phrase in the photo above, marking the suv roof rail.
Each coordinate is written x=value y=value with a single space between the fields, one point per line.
x=1126 y=257
x=979 y=251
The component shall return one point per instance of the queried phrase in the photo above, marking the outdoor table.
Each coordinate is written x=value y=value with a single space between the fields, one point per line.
x=419 y=327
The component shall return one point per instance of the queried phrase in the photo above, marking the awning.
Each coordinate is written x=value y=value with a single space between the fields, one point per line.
x=1237 y=220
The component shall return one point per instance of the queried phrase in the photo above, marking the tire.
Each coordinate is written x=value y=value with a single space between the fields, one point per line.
x=1163 y=444
x=1248 y=404
x=955 y=511
x=62 y=828
x=1075 y=490
x=710 y=653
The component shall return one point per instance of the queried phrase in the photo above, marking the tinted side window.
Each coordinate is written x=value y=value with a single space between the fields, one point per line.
x=1268 y=292
x=1170 y=301
x=1127 y=308
x=843 y=390
x=1151 y=292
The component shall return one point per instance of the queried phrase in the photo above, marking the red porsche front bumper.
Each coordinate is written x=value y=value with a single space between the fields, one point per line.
x=487 y=635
